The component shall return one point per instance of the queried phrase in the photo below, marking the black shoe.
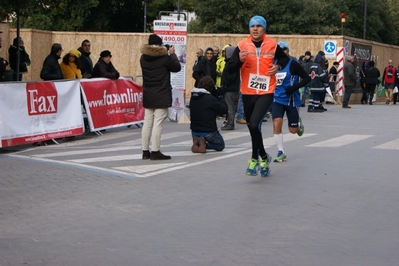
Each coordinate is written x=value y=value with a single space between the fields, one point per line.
x=315 y=110
x=146 y=155
x=302 y=105
x=157 y=155
x=370 y=103
x=227 y=127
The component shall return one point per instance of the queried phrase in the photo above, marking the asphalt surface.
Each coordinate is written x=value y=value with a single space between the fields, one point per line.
x=91 y=200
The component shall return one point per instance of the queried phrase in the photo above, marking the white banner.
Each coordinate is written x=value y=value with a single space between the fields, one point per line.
x=38 y=111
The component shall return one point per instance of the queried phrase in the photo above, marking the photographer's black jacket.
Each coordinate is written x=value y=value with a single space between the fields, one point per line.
x=204 y=107
x=156 y=65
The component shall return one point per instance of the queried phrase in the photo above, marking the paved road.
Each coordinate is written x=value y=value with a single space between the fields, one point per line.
x=93 y=201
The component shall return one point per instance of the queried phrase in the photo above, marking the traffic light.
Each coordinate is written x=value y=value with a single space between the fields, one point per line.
x=343 y=16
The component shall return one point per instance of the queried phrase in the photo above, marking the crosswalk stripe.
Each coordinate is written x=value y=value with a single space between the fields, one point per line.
x=146 y=168
x=268 y=142
x=226 y=136
x=132 y=144
x=340 y=141
x=138 y=156
x=177 y=167
x=122 y=146
x=391 y=145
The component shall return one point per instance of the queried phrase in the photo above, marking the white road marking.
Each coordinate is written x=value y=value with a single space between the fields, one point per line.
x=128 y=157
x=165 y=170
x=268 y=142
x=122 y=146
x=226 y=136
x=340 y=141
x=391 y=145
x=145 y=168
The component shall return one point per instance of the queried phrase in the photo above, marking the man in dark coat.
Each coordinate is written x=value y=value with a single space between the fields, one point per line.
x=24 y=60
x=318 y=84
x=87 y=63
x=230 y=86
x=3 y=64
x=104 y=67
x=206 y=67
x=156 y=64
x=371 y=80
x=349 y=79
x=51 y=69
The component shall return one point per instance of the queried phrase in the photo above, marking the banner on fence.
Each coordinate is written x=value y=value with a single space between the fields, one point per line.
x=38 y=111
x=112 y=103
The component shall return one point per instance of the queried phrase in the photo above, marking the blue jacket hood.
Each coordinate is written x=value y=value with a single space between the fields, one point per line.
x=318 y=59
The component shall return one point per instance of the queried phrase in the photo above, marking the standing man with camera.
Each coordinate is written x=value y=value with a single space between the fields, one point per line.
x=156 y=64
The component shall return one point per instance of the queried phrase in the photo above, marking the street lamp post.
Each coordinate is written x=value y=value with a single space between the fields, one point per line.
x=365 y=19
x=178 y=10
x=145 y=15
x=343 y=17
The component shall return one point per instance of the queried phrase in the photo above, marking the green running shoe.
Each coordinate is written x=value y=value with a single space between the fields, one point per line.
x=281 y=157
x=265 y=166
x=301 y=128
x=253 y=167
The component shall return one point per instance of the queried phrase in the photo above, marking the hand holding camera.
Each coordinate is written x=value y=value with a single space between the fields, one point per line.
x=170 y=48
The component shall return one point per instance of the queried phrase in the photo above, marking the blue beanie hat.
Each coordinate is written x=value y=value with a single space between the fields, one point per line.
x=258 y=20
x=284 y=45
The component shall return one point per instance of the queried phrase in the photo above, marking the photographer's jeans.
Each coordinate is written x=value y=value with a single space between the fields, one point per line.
x=214 y=141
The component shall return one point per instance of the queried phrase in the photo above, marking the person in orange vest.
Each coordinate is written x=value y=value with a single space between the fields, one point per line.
x=388 y=81
x=254 y=59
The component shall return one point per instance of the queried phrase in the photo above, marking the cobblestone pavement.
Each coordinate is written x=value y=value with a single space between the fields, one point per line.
x=93 y=201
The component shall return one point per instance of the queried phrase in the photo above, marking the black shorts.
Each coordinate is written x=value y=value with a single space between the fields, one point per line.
x=279 y=109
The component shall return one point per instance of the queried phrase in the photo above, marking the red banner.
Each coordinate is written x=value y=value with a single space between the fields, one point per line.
x=112 y=103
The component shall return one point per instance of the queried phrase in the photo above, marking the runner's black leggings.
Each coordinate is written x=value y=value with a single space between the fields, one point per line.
x=255 y=108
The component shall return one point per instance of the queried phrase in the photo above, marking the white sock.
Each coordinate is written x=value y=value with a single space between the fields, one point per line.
x=279 y=141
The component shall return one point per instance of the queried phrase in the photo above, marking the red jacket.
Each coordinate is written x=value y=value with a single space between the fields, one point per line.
x=389 y=75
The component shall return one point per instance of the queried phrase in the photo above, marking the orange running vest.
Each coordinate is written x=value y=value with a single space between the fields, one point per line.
x=254 y=77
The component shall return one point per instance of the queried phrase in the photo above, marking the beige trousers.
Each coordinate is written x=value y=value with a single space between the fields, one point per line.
x=152 y=128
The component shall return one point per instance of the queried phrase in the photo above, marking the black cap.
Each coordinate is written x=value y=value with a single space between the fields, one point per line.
x=105 y=53
x=154 y=40
x=307 y=53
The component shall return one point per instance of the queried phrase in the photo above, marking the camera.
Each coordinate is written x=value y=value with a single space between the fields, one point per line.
x=167 y=46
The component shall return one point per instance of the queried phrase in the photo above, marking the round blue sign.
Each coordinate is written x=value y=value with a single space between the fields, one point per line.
x=329 y=47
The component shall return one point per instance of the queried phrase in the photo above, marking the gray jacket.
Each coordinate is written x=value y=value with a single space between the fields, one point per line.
x=349 y=74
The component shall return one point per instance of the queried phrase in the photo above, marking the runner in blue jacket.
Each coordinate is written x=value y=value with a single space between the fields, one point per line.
x=287 y=99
